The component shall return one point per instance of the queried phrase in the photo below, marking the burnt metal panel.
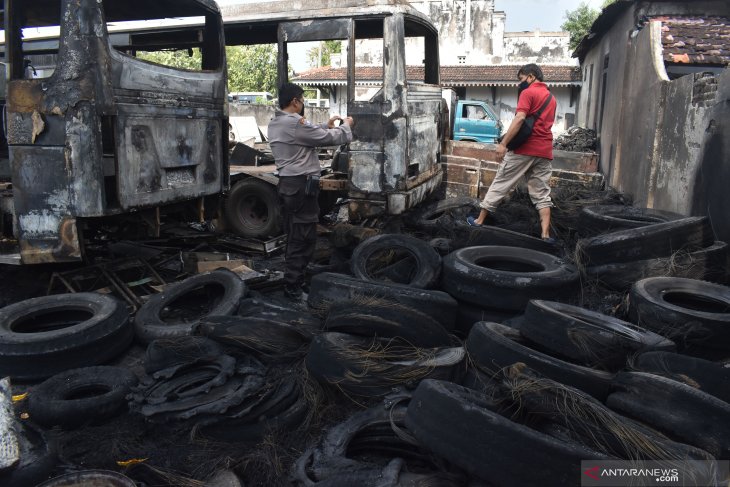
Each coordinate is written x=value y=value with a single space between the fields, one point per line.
x=166 y=156
x=365 y=172
x=395 y=140
x=315 y=30
x=43 y=204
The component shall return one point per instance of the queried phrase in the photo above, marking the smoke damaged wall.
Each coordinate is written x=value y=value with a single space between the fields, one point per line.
x=464 y=27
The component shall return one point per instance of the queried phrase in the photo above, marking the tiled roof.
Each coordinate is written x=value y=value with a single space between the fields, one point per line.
x=696 y=40
x=459 y=75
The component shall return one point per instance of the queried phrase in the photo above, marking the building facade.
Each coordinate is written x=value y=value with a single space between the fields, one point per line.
x=479 y=60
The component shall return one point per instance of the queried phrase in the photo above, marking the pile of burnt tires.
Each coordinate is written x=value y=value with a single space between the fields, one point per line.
x=624 y=244
x=547 y=384
x=465 y=358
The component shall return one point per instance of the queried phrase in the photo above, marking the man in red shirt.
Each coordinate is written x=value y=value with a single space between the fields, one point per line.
x=531 y=159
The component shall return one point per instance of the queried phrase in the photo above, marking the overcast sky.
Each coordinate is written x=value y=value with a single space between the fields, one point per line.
x=546 y=15
x=521 y=14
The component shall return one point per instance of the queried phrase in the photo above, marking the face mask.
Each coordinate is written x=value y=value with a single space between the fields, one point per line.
x=523 y=86
x=301 y=112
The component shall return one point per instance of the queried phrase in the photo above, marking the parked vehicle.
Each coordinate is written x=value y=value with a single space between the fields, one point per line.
x=472 y=120
x=109 y=136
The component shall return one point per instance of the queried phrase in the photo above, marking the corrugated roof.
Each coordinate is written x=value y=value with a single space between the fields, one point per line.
x=458 y=75
x=696 y=40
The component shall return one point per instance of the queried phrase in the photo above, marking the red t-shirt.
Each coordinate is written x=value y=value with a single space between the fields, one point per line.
x=540 y=142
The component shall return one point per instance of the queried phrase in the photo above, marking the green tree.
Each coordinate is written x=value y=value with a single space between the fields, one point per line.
x=250 y=68
x=182 y=59
x=316 y=58
x=578 y=22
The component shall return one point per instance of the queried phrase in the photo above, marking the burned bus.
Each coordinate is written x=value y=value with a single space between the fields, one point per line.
x=393 y=162
x=100 y=132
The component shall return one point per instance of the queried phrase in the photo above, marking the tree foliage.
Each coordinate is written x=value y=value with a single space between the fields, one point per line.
x=321 y=55
x=578 y=22
x=250 y=68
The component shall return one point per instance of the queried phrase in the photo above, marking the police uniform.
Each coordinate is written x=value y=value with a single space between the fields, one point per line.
x=293 y=141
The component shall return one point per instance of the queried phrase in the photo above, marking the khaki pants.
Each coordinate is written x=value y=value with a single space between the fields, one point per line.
x=536 y=169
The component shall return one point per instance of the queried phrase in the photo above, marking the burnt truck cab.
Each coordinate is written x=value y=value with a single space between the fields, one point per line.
x=394 y=160
x=106 y=133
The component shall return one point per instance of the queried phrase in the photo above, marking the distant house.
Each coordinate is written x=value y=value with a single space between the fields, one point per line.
x=495 y=84
x=479 y=60
x=657 y=89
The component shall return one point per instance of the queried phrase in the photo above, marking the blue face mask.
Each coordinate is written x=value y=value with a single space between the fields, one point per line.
x=523 y=86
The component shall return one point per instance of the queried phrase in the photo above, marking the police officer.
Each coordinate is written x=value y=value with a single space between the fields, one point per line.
x=293 y=141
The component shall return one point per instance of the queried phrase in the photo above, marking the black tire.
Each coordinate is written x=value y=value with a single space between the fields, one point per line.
x=421 y=263
x=445 y=417
x=594 y=220
x=706 y=376
x=369 y=434
x=38 y=454
x=442 y=214
x=268 y=339
x=464 y=235
x=506 y=277
x=649 y=242
x=76 y=397
x=587 y=337
x=676 y=409
x=709 y=264
x=386 y=319
x=328 y=288
x=90 y=477
x=252 y=209
x=688 y=311
x=282 y=408
x=372 y=367
x=598 y=428
x=492 y=347
x=469 y=314
x=42 y=336
x=168 y=352
x=224 y=289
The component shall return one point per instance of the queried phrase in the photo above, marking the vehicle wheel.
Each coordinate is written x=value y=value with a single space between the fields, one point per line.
x=649 y=242
x=397 y=258
x=252 y=209
x=590 y=338
x=176 y=310
x=493 y=347
x=706 y=376
x=506 y=277
x=42 y=336
x=372 y=367
x=674 y=408
x=710 y=264
x=688 y=311
x=328 y=288
x=80 y=396
x=594 y=220
x=386 y=319
x=444 y=418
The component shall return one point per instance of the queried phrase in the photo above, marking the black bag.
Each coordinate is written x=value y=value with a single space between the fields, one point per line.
x=526 y=128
